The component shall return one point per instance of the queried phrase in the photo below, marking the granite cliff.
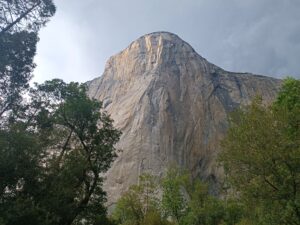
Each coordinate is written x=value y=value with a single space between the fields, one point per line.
x=171 y=105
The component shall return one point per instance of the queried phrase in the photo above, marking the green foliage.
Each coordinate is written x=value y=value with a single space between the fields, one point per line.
x=261 y=156
x=20 y=21
x=154 y=218
x=184 y=201
x=174 y=202
x=139 y=203
x=289 y=96
x=56 y=143
x=53 y=156
x=28 y=15
x=205 y=209
x=16 y=66
x=129 y=208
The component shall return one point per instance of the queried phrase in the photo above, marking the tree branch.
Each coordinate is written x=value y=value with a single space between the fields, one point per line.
x=24 y=14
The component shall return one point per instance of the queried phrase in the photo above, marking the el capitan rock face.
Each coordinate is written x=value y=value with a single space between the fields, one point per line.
x=171 y=105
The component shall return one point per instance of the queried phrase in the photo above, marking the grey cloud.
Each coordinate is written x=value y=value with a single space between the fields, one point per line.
x=258 y=36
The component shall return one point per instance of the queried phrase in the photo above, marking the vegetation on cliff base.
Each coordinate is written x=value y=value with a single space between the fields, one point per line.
x=55 y=143
x=174 y=199
x=261 y=158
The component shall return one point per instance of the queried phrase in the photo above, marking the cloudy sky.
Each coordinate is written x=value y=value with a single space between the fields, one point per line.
x=257 y=36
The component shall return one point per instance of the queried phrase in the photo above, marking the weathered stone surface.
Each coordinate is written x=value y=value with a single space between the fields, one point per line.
x=171 y=105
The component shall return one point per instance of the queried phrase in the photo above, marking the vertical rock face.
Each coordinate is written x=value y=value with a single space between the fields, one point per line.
x=171 y=105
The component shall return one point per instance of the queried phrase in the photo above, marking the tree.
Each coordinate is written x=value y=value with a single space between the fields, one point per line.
x=86 y=149
x=24 y=15
x=184 y=201
x=20 y=21
x=69 y=142
x=16 y=66
x=56 y=142
x=261 y=156
x=197 y=206
x=174 y=202
x=139 y=205
x=19 y=149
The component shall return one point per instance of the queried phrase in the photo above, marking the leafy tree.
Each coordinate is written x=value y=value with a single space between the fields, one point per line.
x=174 y=202
x=56 y=143
x=69 y=142
x=20 y=151
x=183 y=196
x=197 y=205
x=83 y=140
x=155 y=218
x=129 y=209
x=16 y=66
x=20 y=21
x=139 y=204
x=289 y=96
x=261 y=156
x=24 y=15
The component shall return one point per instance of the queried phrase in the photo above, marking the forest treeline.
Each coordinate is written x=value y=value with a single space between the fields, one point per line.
x=56 y=143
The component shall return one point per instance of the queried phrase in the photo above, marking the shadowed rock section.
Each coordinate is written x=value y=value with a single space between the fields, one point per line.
x=171 y=105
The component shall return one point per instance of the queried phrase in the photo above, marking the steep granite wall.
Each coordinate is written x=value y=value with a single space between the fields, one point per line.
x=171 y=105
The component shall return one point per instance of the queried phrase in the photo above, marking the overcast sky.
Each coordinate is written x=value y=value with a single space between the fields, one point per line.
x=257 y=36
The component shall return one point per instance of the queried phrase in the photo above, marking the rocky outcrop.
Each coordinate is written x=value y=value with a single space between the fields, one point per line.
x=171 y=105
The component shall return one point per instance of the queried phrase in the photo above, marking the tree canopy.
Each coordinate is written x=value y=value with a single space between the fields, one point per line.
x=24 y=15
x=55 y=142
x=53 y=157
x=261 y=156
x=176 y=199
x=20 y=21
